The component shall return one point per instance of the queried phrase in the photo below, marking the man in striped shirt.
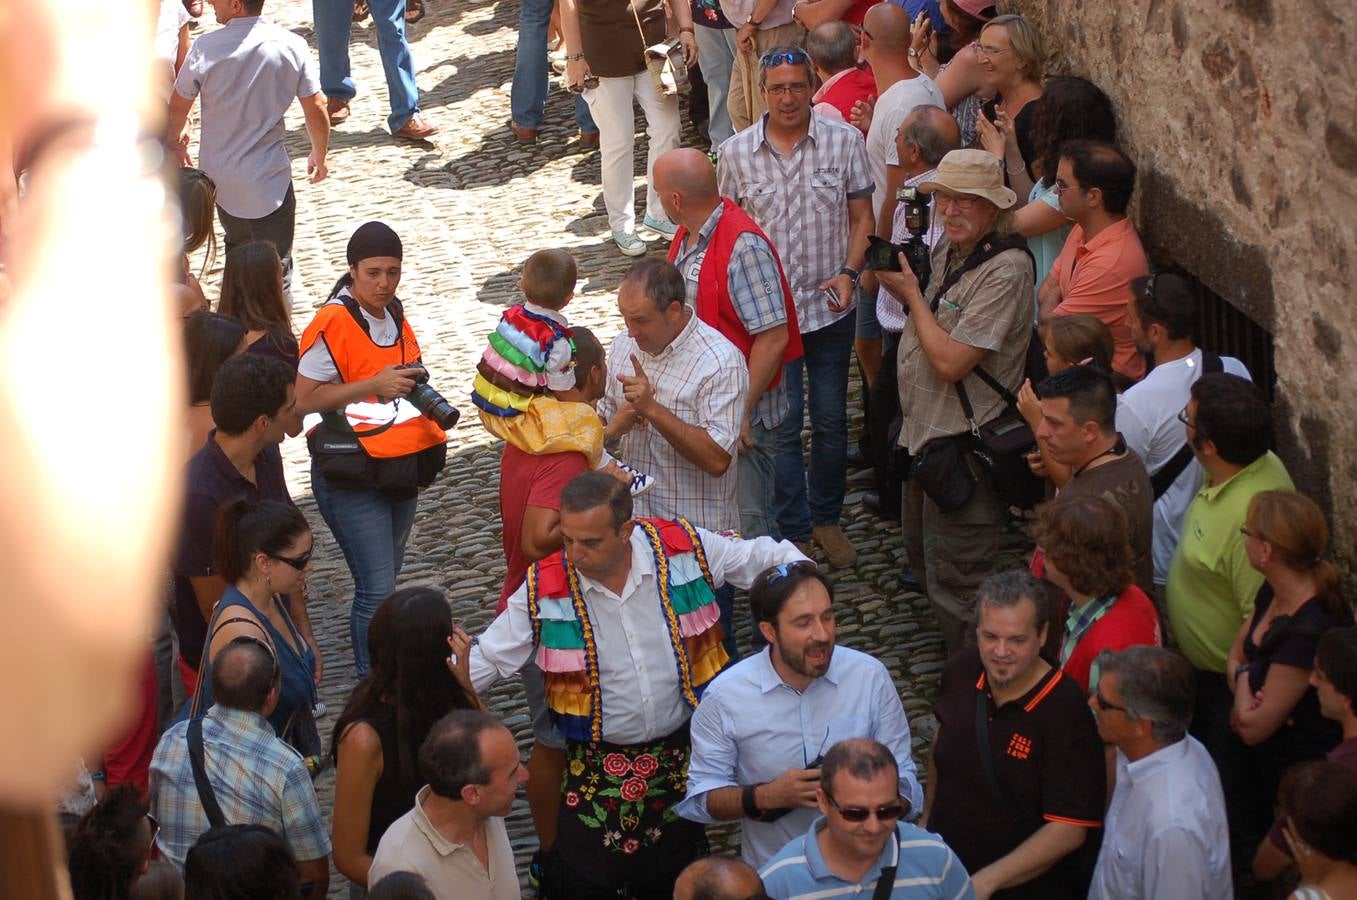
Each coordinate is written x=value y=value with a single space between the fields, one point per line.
x=859 y=844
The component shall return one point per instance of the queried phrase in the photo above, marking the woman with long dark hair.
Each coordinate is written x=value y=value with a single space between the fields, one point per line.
x=210 y=339
x=355 y=380
x=262 y=550
x=413 y=683
x=252 y=291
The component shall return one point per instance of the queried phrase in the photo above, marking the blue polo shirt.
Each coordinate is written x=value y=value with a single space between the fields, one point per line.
x=926 y=869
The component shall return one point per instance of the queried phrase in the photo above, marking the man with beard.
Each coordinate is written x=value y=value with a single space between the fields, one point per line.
x=765 y=722
x=1017 y=777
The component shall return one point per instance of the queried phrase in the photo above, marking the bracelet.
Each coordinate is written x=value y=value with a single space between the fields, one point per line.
x=752 y=22
x=914 y=54
x=100 y=775
x=574 y=57
x=687 y=28
x=1240 y=670
x=850 y=272
x=751 y=806
x=1021 y=168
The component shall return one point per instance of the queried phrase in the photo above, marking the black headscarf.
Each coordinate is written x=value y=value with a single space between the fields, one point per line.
x=371 y=239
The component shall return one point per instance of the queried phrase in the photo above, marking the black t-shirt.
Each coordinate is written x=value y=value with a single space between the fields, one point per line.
x=212 y=482
x=279 y=345
x=1048 y=759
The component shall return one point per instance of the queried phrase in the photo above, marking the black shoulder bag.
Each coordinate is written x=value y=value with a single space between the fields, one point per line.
x=940 y=467
x=1168 y=473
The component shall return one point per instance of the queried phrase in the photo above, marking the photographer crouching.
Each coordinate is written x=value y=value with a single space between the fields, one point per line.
x=972 y=326
x=374 y=425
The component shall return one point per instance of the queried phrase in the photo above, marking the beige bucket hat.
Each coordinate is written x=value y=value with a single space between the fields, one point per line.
x=975 y=172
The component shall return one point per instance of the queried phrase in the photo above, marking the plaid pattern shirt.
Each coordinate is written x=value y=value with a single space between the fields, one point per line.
x=702 y=379
x=257 y=779
x=1077 y=623
x=755 y=291
x=801 y=203
x=989 y=308
x=890 y=313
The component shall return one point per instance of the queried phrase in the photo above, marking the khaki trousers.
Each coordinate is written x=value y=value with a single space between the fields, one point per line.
x=745 y=101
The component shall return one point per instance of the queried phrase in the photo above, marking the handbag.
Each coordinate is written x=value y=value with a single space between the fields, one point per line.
x=1002 y=444
x=668 y=70
x=941 y=471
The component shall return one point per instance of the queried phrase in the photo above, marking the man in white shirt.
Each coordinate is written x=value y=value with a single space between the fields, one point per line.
x=1162 y=316
x=1165 y=835
x=248 y=73
x=623 y=623
x=454 y=837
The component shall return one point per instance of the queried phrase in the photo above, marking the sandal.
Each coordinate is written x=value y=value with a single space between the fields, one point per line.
x=360 y=10
x=414 y=11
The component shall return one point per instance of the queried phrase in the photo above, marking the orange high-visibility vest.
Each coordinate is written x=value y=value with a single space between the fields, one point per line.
x=357 y=357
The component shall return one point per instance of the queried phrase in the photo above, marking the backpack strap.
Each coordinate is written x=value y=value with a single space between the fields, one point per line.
x=1168 y=473
x=988 y=247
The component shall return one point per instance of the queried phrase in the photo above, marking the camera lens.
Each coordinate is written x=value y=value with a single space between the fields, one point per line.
x=433 y=405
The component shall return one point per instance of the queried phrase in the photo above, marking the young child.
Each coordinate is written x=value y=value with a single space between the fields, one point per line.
x=531 y=354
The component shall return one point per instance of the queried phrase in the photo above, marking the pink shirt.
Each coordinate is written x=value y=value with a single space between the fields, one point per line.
x=1095 y=280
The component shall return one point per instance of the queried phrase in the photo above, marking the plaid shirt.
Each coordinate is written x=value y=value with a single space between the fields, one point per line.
x=257 y=779
x=801 y=203
x=989 y=308
x=1077 y=624
x=702 y=379
x=756 y=292
x=890 y=313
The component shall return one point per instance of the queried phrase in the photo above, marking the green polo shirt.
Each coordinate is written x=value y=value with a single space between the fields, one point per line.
x=1211 y=585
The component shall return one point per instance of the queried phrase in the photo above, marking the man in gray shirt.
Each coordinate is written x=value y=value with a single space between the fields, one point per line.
x=248 y=72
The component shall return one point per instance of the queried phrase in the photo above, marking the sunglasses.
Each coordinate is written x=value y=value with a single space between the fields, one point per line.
x=888 y=813
x=1104 y=704
x=784 y=58
x=777 y=573
x=297 y=562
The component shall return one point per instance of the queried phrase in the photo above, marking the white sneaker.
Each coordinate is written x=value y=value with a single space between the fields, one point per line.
x=318 y=711
x=640 y=481
x=629 y=243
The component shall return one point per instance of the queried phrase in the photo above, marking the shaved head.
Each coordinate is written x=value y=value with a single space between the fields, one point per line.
x=718 y=878
x=687 y=172
x=888 y=26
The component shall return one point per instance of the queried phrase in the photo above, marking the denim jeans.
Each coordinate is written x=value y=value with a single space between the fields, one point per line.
x=528 y=94
x=823 y=372
x=333 y=21
x=757 y=473
x=371 y=531
x=716 y=54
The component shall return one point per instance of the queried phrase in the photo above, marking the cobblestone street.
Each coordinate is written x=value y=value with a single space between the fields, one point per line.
x=470 y=206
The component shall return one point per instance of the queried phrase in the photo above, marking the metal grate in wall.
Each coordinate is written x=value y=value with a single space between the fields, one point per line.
x=1226 y=331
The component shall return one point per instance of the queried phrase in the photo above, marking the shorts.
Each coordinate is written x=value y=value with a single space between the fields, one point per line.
x=868 y=328
x=535 y=687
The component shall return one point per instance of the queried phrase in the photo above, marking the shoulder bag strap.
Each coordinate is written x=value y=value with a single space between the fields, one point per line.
x=206 y=796
x=886 y=883
x=986 y=752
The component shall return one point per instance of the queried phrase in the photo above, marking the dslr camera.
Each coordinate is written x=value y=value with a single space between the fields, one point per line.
x=883 y=256
x=428 y=401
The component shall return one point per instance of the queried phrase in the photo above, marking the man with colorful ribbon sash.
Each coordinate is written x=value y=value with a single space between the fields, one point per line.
x=624 y=625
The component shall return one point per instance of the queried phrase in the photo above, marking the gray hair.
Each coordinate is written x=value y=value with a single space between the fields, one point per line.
x=786 y=48
x=1156 y=685
x=1005 y=590
x=833 y=46
x=922 y=132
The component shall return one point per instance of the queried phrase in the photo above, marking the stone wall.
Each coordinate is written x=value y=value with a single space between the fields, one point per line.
x=1241 y=116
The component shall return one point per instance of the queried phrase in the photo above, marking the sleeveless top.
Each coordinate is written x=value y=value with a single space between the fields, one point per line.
x=292 y=719
x=393 y=796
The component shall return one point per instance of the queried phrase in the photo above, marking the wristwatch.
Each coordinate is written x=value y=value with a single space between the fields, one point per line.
x=751 y=806
x=850 y=272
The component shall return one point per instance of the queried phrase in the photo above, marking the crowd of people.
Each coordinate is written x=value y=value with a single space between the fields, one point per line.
x=1151 y=682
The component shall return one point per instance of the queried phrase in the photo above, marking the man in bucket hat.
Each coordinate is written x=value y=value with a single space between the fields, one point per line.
x=976 y=312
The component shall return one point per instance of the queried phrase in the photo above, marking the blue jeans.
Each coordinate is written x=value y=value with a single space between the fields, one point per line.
x=334 y=20
x=528 y=94
x=824 y=372
x=757 y=474
x=716 y=54
x=371 y=531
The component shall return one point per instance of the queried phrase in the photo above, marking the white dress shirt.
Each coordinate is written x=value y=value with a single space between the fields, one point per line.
x=1165 y=836
x=638 y=677
x=1147 y=417
x=752 y=726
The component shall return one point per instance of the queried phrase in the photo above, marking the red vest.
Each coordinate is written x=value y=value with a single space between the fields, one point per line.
x=859 y=84
x=714 y=305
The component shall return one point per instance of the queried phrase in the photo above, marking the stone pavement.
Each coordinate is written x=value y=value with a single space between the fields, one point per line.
x=470 y=206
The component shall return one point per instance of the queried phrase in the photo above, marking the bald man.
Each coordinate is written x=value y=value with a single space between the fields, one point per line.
x=736 y=284
x=719 y=878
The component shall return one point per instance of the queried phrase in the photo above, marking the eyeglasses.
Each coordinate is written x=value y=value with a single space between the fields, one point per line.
x=987 y=52
x=796 y=90
x=1104 y=704
x=784 y=58
x=963 y=203
x=297 y=562
x=1244 y=530
x=1183 y=417
x=888 y=813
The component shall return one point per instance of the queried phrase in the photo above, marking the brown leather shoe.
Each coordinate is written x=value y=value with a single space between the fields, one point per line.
x=838 y=549
x=337 y=110
x=416 y=129
x=523 y=135
x=589 y=141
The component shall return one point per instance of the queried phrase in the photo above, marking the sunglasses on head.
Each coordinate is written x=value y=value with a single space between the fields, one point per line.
x=784 y=58
x=777 y=573
x=888 y=813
